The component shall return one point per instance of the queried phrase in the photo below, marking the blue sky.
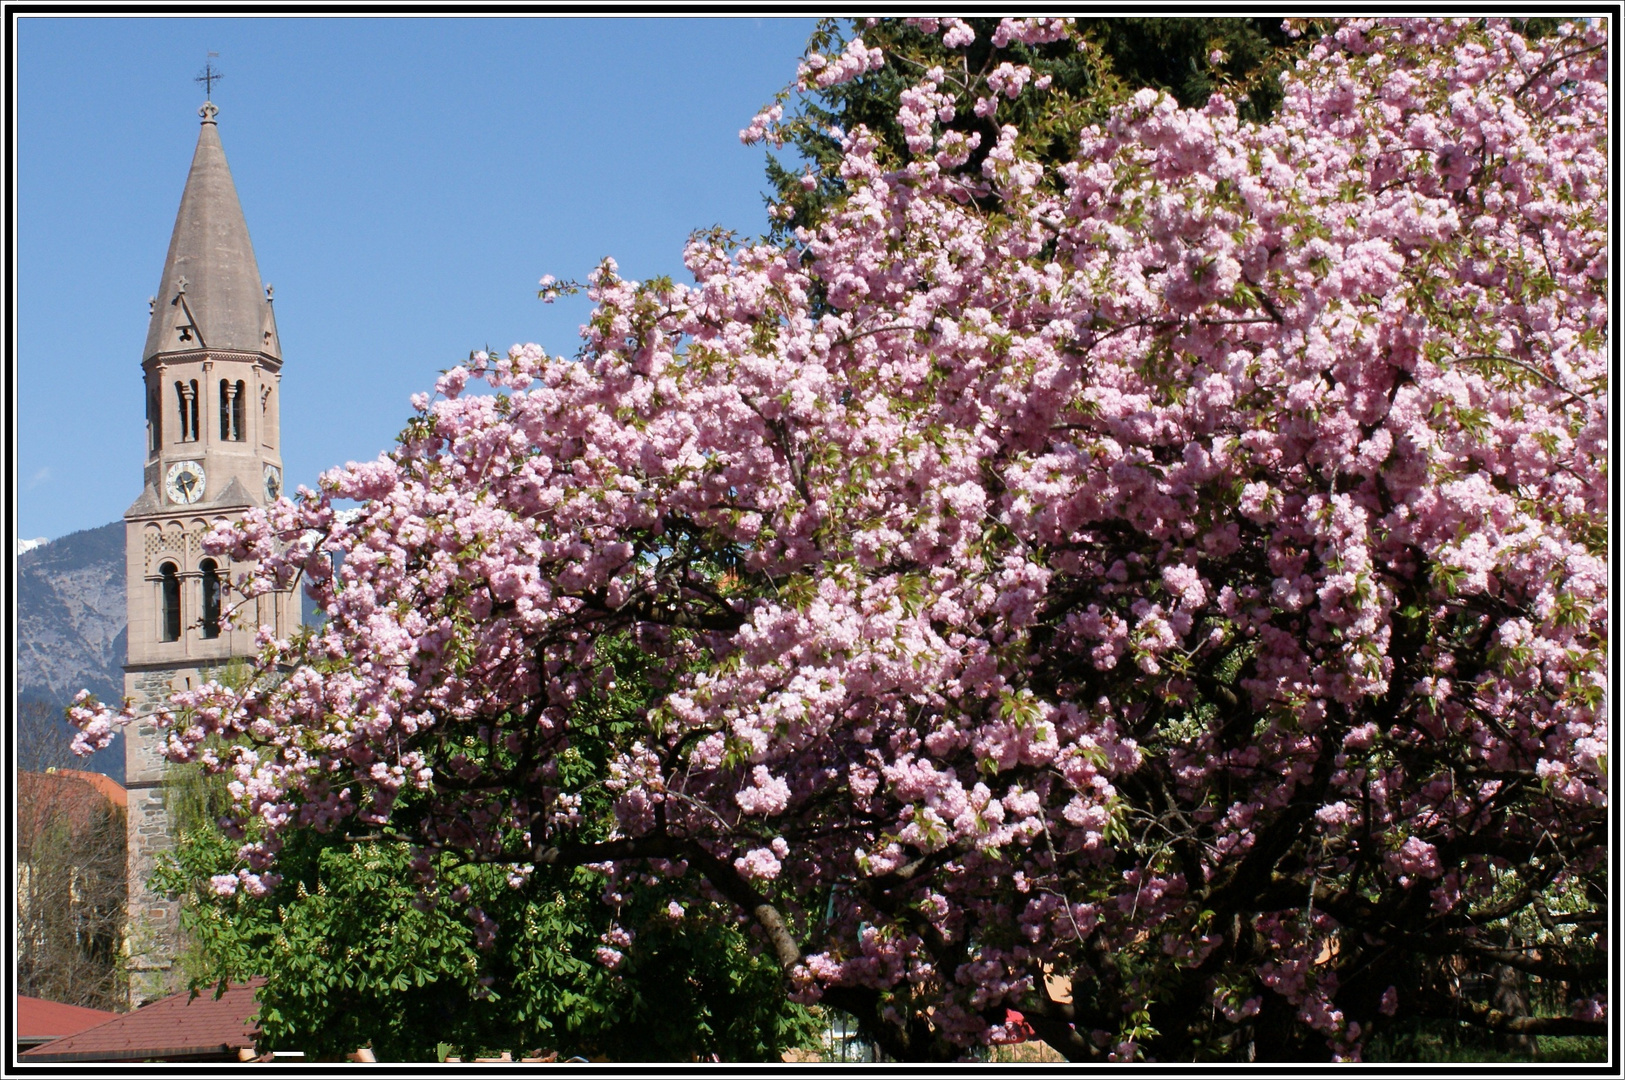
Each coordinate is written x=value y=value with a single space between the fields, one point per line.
x=406 y=182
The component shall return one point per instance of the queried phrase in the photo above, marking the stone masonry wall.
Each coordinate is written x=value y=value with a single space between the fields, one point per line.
x=154 y=918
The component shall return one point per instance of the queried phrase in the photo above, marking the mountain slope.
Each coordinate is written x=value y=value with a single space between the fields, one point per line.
x=70 y=637
x=70 y=616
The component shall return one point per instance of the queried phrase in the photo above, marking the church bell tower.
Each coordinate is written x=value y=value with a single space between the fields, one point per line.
x=211 y=372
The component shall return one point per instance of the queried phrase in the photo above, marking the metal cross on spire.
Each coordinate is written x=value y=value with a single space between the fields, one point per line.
x=208 y=77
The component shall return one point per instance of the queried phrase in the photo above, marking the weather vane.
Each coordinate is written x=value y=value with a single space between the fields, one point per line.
x=208 y=77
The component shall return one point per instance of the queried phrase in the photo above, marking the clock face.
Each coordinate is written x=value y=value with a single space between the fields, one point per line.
x=273 y=482
x=184 y=484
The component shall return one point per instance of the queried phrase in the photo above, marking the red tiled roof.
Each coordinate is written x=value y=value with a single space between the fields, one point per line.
x=110 y=788
x=76 y=795
x=177 y=1026
x=40 y=1019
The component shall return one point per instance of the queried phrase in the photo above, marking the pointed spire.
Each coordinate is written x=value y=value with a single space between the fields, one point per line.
x=210 y=295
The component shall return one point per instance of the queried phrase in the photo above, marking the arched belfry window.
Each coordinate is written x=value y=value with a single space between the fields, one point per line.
x=186 y=392
x=155 y=417
x=267 y=416
x=232 y=425
x=211 y=598
x=169 y=593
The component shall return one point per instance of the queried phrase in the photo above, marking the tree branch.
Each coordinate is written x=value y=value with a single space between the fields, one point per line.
x=1483 y=1016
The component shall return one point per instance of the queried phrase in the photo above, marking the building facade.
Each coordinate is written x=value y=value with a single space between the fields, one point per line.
x=211 y=372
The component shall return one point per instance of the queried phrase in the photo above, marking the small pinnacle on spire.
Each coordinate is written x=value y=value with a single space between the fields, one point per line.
x=270 y=293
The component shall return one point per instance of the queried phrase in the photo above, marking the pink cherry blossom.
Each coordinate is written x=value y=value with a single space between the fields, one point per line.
x=1193 y=555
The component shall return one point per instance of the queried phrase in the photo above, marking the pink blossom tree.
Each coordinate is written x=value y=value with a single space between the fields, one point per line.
x=1165 y=595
